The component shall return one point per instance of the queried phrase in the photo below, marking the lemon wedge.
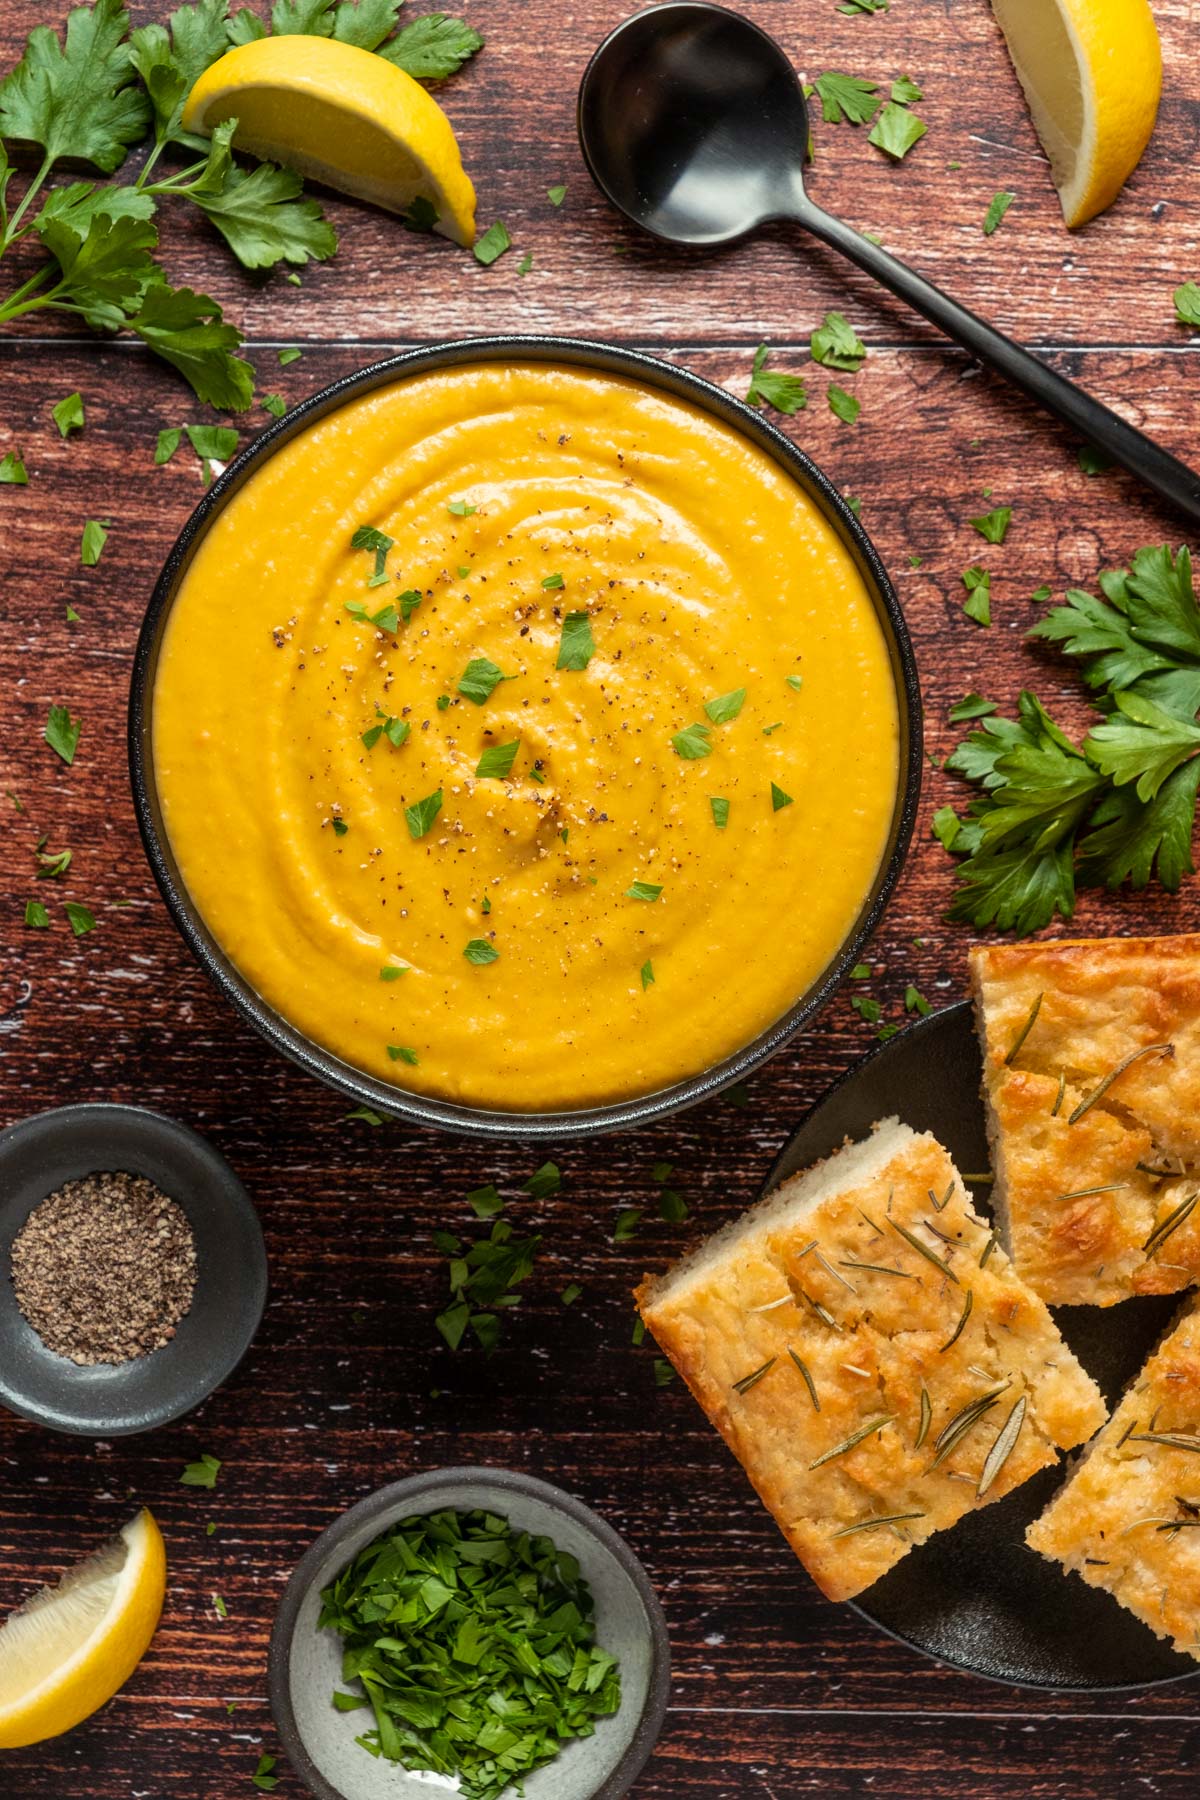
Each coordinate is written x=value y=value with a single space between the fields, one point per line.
x=68 y=1649
x=1092 y=74
x=342 y=116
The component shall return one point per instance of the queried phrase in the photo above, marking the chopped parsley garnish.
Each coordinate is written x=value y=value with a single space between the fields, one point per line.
x=544 y=1181
x=664 y=1374
x=422 y=814
x=1187 y=304
x=462 y=509
x=994 y=525
x=843 y=405
x=795 y=682
x=896 y=130
x=627 y=1223
x=167 y=444
x=289 y=356
x=786 y=393
x=202 y=1474
x=915 y=1001
x=846 y=97
x=68 y=414
x=62 y=733
x=213 y=443
x=770 y=730
x=720 y=811
x=408 y=603
x=497 y=760
x=576 y=646
x=80 y=918
x=386 y=619
x=526 y=263
x=996 y=211
x=340 y=827
x=693 y=742
x=36 y=915
x=836 y=344
x=91 y=548
x=262 y=1777
x=494 y=242
x=12 y=470
x=402 y=1053
x=487 y=1666
x=779 y=799
x=482 y=1279
x=480 y=952
x=486 y=1202
x=978 y=603
x=368 y=538
x=275 y=404
x=570 y=1293
x=725 y=707
x=861 y=972
x=393 y=971
x=556 y=195
x=1042 y=594
x=395 y=730
x=647 y=968
x=971 y=706
x=905 y=91
x=866 y=1008
x=1093 y=461
x=480 y=679
x=643 y=890
x=550 y=582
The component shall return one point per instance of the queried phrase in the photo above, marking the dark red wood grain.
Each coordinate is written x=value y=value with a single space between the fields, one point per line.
x=776 y=1693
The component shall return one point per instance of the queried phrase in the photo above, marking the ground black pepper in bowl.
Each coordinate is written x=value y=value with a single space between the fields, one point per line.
x=105 y=1268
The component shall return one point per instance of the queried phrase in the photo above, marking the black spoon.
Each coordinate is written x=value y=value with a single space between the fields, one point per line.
x=693 y=123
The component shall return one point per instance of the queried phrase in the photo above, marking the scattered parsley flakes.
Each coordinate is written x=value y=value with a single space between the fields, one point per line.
x=664 y=1374
x=843 y=405
x=1042 y=594
x=402 y=1053
x=462 y=509
x=779 y=799
x=915 y=1001
x=544 y=1181
x=720 y=811
x=551 y=582
x=262 y=1776
x=213 y=443
x=68 y=414
x=570 y=1293
x=201 y=1474
x=80 y=919
x=576 y=646
x=62 y=733
x=627 y=1223
x=340 y=827
x=167 y=444
x=795 y=682
x=647 y=970
x=725 y=707
x=362 y=1115
x=846 y=97
x=837 y=345
x=1093 y=461
x=996 y=211
x=393 y=971
x=367 y=537
x=994 y=525
x=861 y=972
x=557 y=194
x=36 y=915
x=480 y=952
x=12 y=470
x=486 y=1202
x=497 y=760
x=896 y=130
x=866 y=1008
x=91 y=547
x=978 y=603
x=643 y=890
x=289 y=356
x=480 y=679
x=275 y=404
x=492 y=245
x=422 y=813
x=905 y=91
x=786 y=393
x=219 y=1607
x=693 y=742
x=1187 y=304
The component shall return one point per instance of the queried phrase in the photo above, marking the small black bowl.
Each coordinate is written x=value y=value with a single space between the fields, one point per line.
x=117 y=1399
x=304 y=1664
x=424 y=1109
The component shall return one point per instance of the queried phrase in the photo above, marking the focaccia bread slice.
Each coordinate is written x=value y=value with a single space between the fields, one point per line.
x=865 y=1348
x=1091 y=1056
x=1128 y=1517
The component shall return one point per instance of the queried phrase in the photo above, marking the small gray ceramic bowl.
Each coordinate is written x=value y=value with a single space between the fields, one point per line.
x=305 y=1664
x=116 y=1399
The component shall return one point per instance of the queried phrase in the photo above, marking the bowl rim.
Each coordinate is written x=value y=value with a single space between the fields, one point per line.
x=148 y=1123
x=382 y=1097
x=385 y=1500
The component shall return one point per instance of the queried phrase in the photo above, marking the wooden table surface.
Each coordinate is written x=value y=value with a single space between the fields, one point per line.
x=776 y=1693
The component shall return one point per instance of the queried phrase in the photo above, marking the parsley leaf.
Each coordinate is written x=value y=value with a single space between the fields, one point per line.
x=261 y=216
x=971 y=706
x=843 y=405
x=492 y=245
x=1187 y=304
x=68 y=414
x=786 y=393
x=643 y=890
x=13 y=472
x=168 y=443
x=836 y=344
x=693 y=742
x=422 y=813
x=480 y=679
x=497 y=761
x=556 y=195
x=994 y=525
x=725 y=707
x=647 y=973
x=432 y=48
x=576 y=646
x=1093 y=461
x=846 y=97
x=480 y=952
x=77 y=99
x=62 y=733
x=36 y=915
x=720 y=811
x=202 y=1474
x=187 y=330
x=905 y=91
x=79 y=918
x=978 y=603
x=779 y=799
x=896 y=130
x=94 y=539
x=996 y=211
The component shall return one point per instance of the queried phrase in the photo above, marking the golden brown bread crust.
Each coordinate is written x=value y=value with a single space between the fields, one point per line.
x=1102 y=1001
x=876 y=1324
x=1128 y=1518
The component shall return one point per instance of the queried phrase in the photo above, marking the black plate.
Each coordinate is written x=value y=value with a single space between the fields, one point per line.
x=118 y=1399
x=976 y=1596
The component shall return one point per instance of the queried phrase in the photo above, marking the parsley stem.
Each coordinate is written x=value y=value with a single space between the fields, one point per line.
x=16 y=304
x=29 y=195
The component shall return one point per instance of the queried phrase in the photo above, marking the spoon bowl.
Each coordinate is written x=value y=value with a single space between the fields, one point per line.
x=693 y=123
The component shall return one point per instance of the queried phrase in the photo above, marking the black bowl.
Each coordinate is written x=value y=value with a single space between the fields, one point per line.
x=302 y=1050
x=117 y=1399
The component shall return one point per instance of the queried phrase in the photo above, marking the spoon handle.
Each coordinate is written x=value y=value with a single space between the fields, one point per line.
x=1168 y=477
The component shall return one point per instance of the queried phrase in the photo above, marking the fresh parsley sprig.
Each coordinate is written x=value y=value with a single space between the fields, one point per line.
x=1049 y=814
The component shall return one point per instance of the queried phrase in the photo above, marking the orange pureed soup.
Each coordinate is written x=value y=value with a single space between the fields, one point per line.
x=526 y=736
